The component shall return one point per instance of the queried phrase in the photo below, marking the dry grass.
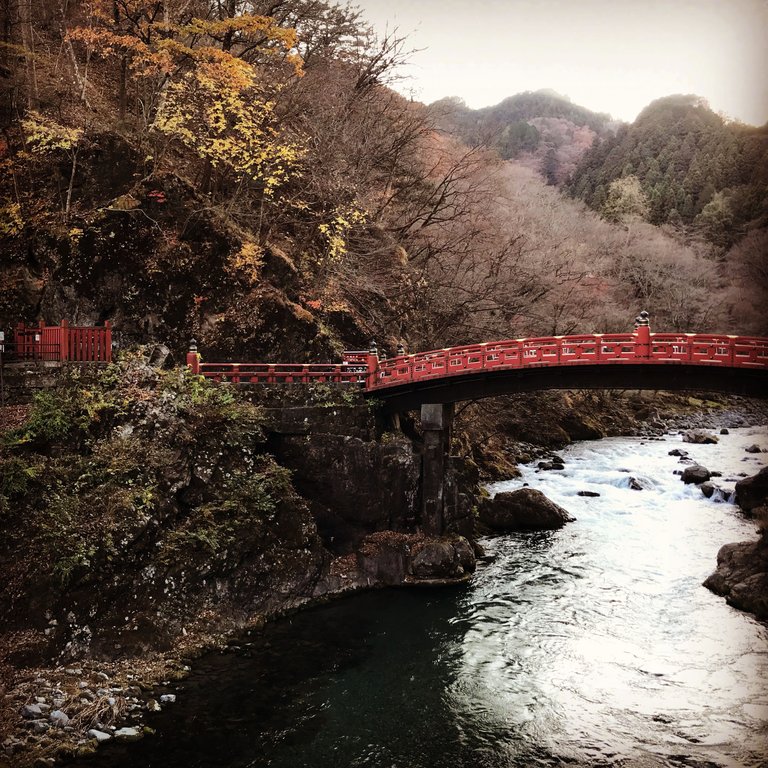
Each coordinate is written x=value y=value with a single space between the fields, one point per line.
x=13 y=416
x=98 y=714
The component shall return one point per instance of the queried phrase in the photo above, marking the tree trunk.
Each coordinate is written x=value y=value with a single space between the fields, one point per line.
x=28 y=43
x=68 y=204
x=123 y=97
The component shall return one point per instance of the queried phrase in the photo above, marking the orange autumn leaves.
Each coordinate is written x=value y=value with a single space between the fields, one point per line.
x=208 y=84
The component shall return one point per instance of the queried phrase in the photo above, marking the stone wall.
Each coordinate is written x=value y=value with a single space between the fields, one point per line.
x=22 y=380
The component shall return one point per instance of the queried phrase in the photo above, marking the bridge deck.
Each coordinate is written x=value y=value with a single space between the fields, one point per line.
x=630 y=360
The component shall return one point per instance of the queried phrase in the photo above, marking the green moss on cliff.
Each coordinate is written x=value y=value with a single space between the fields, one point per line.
x=136 y=502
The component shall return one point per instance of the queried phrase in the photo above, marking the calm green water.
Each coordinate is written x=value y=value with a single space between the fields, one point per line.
x=590 y=646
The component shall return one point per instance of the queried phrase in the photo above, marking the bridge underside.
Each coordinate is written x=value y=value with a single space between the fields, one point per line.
x=475 y=386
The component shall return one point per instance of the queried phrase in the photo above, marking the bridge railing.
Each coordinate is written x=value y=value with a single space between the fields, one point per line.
x=281 y=373
x=739 y=351
x=365 y=368
x=702 y=349
x=357 y=367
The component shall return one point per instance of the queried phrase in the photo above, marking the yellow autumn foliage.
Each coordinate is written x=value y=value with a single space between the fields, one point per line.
x=336 y=231
x=45 y=135
x=247 y=261
x=11 y=222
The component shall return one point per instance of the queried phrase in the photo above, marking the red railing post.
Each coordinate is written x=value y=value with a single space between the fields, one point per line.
x=64 y=340
x=193 y=358
x=643 y=336
x=373 y=366
x=39 y=335
x=107 y=341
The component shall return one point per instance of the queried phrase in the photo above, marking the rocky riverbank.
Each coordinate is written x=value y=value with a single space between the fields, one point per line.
x=742 y=568
x=499 y=433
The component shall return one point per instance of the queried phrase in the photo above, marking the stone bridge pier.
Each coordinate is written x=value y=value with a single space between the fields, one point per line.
x=445 y=505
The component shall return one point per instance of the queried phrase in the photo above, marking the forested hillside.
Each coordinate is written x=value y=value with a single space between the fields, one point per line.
x=694 y=170
x=541 y=130
x=243 y=174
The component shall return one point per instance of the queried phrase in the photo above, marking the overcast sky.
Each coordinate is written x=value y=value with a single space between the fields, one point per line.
x=612 y=56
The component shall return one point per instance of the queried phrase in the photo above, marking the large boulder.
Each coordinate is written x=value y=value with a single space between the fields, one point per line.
x=525 y=509
x=752 y=492
x=695 y=474
x=393 y=558
x=442 y=559
x=742 y=576
x=742 y=568
x=700 y=436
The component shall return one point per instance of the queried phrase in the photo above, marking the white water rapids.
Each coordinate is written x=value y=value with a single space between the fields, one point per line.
x=620 y=654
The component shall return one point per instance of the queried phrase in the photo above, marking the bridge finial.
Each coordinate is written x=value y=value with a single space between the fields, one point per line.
x=193 y=359
x=400 y=350
x=373 y=347
x=642 y=319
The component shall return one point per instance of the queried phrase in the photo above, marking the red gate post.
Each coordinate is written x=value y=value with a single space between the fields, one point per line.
x=39 y=341
x=193 y=358
x=107 y=341
x=373 y=366
x=64 y=340
x=642 y=336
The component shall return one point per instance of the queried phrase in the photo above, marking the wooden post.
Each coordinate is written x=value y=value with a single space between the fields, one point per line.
x=373 y=366
x=64 y=340
x=193 y=358
x=38 y=341
x=642 y=336
x=107 y=341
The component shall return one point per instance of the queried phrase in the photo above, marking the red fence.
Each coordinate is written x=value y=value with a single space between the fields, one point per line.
x=601 y=349
x=62 y=342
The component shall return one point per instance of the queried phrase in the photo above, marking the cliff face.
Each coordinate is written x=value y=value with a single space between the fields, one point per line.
x=153 y=256
x=139 y=505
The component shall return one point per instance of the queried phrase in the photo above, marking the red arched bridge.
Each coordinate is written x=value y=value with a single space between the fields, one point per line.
x=639 y=360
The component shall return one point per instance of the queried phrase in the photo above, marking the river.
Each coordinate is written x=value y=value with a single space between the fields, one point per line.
x=595 y=645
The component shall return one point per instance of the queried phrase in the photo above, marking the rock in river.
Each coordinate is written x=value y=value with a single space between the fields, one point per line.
x=525 y=509
x=742 y=568
x=695 y=474
x=742 y=576
x=753 y=491
x=700 y=436
x=128 y=734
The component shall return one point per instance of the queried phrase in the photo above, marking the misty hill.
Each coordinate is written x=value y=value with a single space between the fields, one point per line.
x=694 y=168
x=542 y=130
